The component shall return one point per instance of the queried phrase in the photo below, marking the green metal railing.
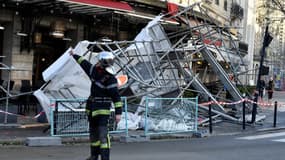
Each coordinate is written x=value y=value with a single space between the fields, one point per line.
x=171 y=115
x=68 y=118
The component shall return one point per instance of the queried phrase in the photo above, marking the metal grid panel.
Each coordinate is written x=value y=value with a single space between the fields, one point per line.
x=68 y=121
x=170 y=115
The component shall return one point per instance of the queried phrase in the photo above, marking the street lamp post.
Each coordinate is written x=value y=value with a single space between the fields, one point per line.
x=266 y=41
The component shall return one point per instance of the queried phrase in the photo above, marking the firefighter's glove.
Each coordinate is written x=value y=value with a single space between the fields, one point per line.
x=118 y=118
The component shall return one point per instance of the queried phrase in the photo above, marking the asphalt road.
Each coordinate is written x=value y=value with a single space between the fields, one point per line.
x=264 y=146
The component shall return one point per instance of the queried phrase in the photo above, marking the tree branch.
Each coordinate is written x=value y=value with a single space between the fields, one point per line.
x=279 y=5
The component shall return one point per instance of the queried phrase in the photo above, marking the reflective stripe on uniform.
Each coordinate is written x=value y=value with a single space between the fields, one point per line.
x=95 y=144
x=100 y=85
x=109 y=140
x=104 y=146
x=112 y=85
x=101 y=112
x=87 y=111
x=80 y=60
x=106 y=87
x=91 y=69
x=118 y=104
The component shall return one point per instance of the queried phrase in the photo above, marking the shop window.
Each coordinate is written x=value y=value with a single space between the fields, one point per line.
x=217 y=2
x=225 y=5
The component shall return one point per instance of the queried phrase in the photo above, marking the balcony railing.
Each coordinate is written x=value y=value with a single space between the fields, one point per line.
x=237 y=11
x=243 y=48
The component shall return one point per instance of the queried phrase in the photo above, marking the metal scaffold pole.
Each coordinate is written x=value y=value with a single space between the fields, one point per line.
x=266 y=41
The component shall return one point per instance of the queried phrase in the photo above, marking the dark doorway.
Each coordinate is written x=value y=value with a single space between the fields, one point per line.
x=45 y=53
x=1 y=47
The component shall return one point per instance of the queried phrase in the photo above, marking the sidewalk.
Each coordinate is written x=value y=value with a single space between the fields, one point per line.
x=265 y=125
x=29 y=127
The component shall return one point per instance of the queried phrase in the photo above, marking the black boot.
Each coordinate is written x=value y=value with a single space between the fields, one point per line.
x=95 y=151
x=105 y=154
x=92 y=158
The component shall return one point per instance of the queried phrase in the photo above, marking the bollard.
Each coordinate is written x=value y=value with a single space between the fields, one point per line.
x=275 y=114
x=254 y=108
x=210 y=118
x=55 y=118
x=243 y=115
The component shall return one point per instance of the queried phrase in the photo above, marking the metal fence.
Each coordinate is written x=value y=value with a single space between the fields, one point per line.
x=161 y=116
x=170 y=115
x=68 y=118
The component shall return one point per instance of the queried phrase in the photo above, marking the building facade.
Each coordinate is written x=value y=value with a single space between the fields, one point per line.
x=274 y=18
x=36 y=34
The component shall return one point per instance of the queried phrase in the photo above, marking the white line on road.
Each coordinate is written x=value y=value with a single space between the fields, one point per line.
x=279 y=140
x=262 y=136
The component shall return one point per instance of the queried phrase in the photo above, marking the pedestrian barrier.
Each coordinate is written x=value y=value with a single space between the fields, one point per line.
x=68 y=118
x=261 y=104
x=170 y=115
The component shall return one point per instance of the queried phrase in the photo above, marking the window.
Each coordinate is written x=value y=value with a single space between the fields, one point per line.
x=217 y=2
x=225 y=5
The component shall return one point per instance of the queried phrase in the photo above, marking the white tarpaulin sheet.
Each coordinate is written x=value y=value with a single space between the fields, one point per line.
x=65 y=80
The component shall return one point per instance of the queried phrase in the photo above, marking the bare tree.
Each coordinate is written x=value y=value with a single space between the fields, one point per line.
x=278 y=5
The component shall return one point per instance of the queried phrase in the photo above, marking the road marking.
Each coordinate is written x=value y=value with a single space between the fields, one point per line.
x=279 y=140
x=263 y=136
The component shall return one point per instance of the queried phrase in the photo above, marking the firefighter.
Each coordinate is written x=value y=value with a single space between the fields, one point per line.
x=103 y=92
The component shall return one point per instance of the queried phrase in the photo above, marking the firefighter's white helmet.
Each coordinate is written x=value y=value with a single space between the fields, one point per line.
x=106 y=60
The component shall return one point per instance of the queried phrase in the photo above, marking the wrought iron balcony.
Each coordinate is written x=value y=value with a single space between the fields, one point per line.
x=243 y=48
x=237 y=11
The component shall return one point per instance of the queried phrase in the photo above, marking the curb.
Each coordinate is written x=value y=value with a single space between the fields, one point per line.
x=271 y=129
x=16 y=141
x=85 y=139
x=5 y=126
x=249 y=131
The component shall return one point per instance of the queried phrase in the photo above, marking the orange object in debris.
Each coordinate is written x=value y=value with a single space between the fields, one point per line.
x=231 y=77
x=122 y=80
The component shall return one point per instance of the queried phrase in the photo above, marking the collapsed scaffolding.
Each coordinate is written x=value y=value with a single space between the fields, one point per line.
x=161 y=63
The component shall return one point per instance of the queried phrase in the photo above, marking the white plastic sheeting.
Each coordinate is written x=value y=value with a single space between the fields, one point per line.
x=135 y=122
x=65 y=80
x=132 y=121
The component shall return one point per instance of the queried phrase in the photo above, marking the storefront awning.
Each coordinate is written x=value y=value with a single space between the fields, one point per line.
x=89 y=6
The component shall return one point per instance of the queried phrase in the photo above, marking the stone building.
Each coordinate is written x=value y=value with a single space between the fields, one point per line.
x=269 y=16
x=35 y=33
